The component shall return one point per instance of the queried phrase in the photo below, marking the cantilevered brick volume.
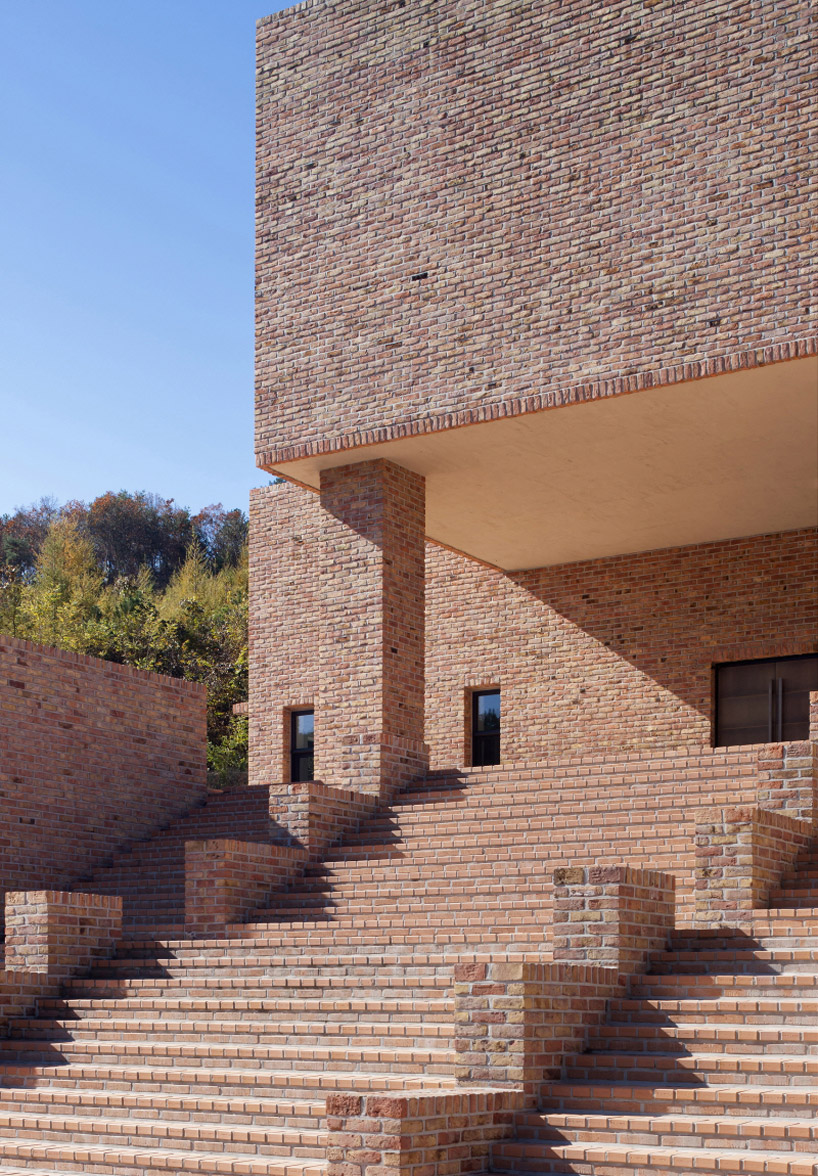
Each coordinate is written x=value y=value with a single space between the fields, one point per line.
x=537 y=374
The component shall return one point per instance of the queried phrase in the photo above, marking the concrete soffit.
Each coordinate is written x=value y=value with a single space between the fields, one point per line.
x=712 y=459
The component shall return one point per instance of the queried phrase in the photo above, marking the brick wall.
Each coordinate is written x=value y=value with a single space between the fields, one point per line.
x=613 y=654
x=476 y=210
x=284 y=618
x=92 y=755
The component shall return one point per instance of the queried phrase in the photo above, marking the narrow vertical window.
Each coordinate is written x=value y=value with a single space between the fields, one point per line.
x=485 y=728
x=302 y=739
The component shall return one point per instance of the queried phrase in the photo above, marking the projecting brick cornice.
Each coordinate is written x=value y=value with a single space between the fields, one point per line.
x=577 y=393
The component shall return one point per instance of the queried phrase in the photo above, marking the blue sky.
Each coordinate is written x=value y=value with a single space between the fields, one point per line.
x=126 y=249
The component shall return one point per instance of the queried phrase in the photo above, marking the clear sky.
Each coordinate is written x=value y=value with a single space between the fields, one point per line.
x=126 y=249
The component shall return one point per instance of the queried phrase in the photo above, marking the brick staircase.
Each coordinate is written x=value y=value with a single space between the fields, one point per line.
x=708 y=1064
x=216 y=1055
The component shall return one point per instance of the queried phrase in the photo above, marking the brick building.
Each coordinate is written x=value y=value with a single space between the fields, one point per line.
x=526 y=879
x=536 y=355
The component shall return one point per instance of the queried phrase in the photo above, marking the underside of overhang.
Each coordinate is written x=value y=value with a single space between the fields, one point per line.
x=712 y=459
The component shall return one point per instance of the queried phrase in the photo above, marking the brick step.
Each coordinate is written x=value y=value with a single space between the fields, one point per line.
x=670 y=1130
x=108 y=1158
x=376 y=1008
x=613 y=1159
x=722 y=1010
x=577 y=846
x=768 y=931
x=219 y=1079
x=708 y=985
x=758 y=961
x=437 y=900
x=703 y=1067
x=525 y=824
x=94 y=1101
x=730 y=1101
x=350 y=986
x=794 y=899
x=104 y=1130
x=684 y=1038
x=420 y=1033
x=407 y=1060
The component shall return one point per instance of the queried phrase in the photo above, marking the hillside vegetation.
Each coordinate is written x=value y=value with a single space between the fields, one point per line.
x=140 y=581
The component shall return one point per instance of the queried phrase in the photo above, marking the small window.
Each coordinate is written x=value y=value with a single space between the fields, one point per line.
x=302 y=738
x=485 y=728
x=764 y=701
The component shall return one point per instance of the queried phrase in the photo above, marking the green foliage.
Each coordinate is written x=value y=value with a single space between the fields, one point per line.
x=72 y=578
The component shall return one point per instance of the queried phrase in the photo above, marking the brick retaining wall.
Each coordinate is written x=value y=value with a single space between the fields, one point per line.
x=92 y=755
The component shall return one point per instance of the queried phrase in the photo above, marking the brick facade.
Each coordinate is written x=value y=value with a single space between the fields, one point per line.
x=92 y=755
x=475 y=211
x=612 y=654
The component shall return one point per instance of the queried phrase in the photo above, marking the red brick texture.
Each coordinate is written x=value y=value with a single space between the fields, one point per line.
x=741 y=855
x=476 y=212
x=446 y=1132
x=50 y=937
x=612 y=916
x=743 y=852
x=285 y=525
x=370 y=699
x=516 y=1023
x=316 y=815
x=611 y=654
x=110 y=753
x=60 y=933
x=788 y=780
x=605 y=655
x=226 y=879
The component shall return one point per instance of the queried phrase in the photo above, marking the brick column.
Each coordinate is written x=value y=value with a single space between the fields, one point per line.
x=369 y=712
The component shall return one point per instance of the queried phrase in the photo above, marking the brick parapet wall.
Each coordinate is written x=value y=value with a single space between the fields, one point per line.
x=60 y=933
x=601 y=657
x=92 y=755
x=612 y=916
x=315 y=816
x=741 y=854
x=50 y=937
x=458 y=286
x=516 y=1023
x=788 y=780
x=226 y=879
x=445 y=1132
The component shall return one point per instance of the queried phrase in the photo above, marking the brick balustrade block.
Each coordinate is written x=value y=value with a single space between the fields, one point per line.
x=315 y=815
x=225 y=880
x=813 y=716
x=59 y=933
x=445 y=1132
x=612 y=916
x=741 y=854
x=516 y=1023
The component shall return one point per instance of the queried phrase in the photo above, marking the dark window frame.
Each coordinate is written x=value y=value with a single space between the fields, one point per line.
x=298 y=756
x=483 y=741
x=775 y=718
